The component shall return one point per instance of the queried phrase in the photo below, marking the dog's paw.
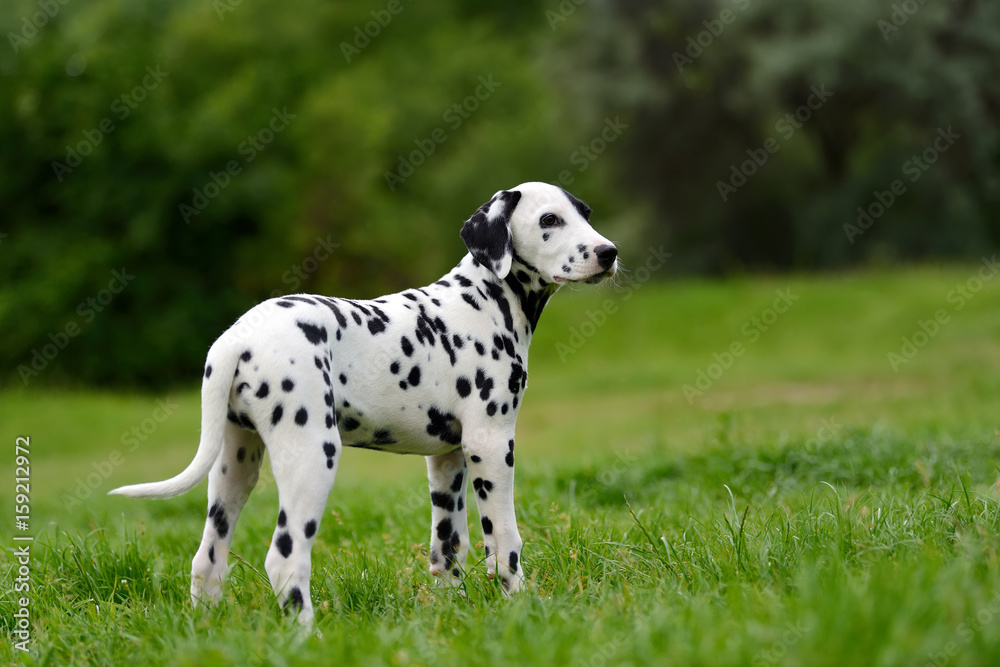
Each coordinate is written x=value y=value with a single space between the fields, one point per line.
x=447 y=578
x=510 y=583
x=205 y=590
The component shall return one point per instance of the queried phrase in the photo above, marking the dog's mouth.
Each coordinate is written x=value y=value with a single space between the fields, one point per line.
x=600 y=276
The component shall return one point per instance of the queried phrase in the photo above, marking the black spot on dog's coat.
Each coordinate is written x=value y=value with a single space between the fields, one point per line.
x=471 y=300
x=444 y=529
x=295 y=600
x=329 y=449
x=482 y=487
x=284 y=544
x=580 y=207
x=314 y=334
x=443 y=500
x=441 y=426
x=446 y=344
x=383 y=437
x=516 y=379
x=483 y=384
x=218 y=515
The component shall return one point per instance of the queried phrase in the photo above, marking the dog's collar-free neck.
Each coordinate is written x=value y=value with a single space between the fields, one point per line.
x=530 y=288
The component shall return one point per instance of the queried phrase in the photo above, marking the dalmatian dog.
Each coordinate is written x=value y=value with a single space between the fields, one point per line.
x=438 y=371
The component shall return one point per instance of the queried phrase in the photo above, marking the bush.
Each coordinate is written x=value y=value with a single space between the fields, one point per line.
x=224 y=152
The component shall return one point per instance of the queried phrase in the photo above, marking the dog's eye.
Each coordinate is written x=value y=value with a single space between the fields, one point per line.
x=549 y=220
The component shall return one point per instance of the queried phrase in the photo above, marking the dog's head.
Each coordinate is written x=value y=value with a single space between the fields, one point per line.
x=543 y=227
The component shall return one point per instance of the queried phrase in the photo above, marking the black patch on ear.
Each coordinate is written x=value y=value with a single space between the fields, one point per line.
x=580 y=207
x=490 y=240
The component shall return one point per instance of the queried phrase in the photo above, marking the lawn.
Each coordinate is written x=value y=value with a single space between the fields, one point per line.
x=768 y=471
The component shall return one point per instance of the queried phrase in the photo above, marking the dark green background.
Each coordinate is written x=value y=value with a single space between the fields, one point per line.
x=694 y=89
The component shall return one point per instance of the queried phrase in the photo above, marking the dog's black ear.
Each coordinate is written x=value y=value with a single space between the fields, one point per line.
x=487 y=233
x=580 y=207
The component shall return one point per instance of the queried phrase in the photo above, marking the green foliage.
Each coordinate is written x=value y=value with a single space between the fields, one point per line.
x=706 y=85
x=194 y=193
x=224 y=152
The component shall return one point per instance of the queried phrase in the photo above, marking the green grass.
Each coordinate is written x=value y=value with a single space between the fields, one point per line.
x=812 y=507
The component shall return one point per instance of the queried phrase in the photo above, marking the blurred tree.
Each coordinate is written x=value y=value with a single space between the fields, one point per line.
x=223 y=152
x=760 y=128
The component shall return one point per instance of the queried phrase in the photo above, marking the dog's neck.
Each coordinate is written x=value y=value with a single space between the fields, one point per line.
x=530 y=289
x=523 y=289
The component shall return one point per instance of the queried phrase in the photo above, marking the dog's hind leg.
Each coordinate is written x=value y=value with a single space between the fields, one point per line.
x=232 y=478
x=305 y=466
x=449 y=523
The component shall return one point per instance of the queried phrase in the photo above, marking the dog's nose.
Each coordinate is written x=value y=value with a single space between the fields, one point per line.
x=606 y=255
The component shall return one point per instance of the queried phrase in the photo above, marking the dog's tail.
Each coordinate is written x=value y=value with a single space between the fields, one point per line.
x=215 y=386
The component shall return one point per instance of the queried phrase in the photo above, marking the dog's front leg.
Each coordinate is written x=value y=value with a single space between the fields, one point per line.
x=491 y=468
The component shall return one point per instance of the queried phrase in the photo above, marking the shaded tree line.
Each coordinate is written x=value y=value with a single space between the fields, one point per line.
x=224 y=153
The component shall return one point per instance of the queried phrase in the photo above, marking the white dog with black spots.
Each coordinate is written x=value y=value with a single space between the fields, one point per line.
x=438 y=371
